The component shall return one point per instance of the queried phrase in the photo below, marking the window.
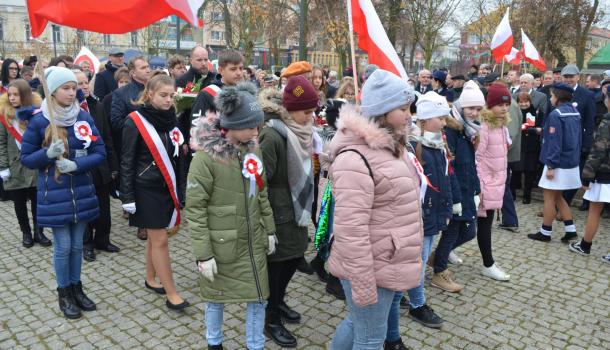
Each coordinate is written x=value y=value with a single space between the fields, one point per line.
x=80 y=37
x=27 y=32
x=217 y=16
x=134 y=38
x=106 y=39
x=217 y=36
x=473 y=39
x=56 y=33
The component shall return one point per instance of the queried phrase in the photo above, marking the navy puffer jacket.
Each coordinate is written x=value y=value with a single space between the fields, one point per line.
x=71 y=198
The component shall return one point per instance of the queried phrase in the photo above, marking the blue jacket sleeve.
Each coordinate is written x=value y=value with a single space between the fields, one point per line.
x=33 y=155
x=96 y=152
x=553 y=138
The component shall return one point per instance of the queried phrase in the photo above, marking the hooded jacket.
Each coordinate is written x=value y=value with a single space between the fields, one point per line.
x=491 y=157
x=561 y=138
x=225 y=222
x=10 y=154
x=378 y=226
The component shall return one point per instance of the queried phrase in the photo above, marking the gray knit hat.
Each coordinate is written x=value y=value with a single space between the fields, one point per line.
x=383 y=92
x=238 y=107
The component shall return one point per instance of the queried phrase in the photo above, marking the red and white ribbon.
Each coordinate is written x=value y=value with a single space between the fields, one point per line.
x=253 y=170
x=83 y=132
x=161 y=157
x=424 y=181
x=14 y=130
x=177 y=140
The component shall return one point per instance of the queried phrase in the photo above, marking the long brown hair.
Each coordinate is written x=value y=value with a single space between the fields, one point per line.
x=324 y=86
x=154 y=84
x=26 y=97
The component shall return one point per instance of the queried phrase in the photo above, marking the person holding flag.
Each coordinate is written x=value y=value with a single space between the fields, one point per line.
x=149 y=183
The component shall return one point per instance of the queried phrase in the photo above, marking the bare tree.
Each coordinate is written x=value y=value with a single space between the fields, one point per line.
x=582 y=15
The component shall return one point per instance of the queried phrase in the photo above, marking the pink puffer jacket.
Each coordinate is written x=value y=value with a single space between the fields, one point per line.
x=491 y=157
x=377 y=225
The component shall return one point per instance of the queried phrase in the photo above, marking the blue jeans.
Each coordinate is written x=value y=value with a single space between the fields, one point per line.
x=509 y=213
x=365 y=327
x=393 y=333
x=457 y=233
x=68 y=253
x=417 y=298
x=255 y=324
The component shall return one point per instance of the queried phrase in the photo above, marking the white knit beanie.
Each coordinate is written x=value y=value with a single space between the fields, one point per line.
x=432 y=105
x=471 y=96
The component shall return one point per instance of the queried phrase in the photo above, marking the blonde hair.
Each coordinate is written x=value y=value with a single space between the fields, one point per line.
x=26 y=98
x=152 y=86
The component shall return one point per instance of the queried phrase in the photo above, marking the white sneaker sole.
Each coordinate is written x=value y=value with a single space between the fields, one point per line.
x=497 y=278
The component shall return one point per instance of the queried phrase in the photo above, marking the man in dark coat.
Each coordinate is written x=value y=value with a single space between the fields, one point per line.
x=122 y=105
x=199 y=68
x=424 y=84
x=104 y=81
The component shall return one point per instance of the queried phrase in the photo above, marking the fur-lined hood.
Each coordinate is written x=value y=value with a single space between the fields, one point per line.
x=206 y=136
x=454 y=124
x=354 y=129
x=271 y=103
x=9 y=111
x=488 y=117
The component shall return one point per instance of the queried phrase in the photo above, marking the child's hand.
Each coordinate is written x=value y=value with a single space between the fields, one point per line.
x=550 y=174
x=585 y=188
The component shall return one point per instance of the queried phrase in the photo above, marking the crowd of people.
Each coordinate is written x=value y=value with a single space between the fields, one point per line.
x=259 y=159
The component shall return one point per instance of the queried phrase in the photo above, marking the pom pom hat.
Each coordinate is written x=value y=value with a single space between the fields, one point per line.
x=239 y=108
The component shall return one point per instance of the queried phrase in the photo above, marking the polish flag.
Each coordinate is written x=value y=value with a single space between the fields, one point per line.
x=514 y=57
x=502 y=41
x=109 y=16
x=373 y=39
x=85 y=55
x=531 y=54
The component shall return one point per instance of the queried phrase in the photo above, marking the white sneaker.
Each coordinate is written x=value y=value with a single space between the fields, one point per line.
x=454 y=258
x=495 y=273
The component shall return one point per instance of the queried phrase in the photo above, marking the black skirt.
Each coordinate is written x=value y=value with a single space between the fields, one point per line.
x=154 y=208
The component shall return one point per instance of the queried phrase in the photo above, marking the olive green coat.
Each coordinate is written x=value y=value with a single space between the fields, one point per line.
x=292 y=239
x=225 y=223
x=10 y=155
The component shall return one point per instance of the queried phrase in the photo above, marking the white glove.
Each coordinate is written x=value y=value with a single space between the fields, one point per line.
x=457 y=209
x=65 y=165
x=208 y=269
x=477 y=201
x=5 y=174
x=56 y=148
x=130 y=208
x=272 y=243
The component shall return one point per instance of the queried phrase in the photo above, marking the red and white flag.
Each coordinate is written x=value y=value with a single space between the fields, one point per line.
x=85 y=55
x=109 y=16
x=373 y=39
x=502 y=41
x=514 y=57
x=531 y=54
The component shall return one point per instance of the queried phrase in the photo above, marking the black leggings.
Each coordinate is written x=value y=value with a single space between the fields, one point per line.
x=484 y=237
x=20 y=201
x=280 y=274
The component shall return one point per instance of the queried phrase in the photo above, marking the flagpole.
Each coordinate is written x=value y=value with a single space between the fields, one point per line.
x=502 y=73
x=352 y=46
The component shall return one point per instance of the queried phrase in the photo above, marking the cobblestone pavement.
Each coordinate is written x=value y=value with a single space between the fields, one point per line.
x=555 y=299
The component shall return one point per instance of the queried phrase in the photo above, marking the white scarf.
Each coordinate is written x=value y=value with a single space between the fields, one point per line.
x=63 y=116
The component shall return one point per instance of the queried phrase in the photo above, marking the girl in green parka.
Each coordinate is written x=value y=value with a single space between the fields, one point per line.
x=230 y=220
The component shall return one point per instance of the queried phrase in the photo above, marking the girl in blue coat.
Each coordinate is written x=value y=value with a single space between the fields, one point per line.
x=66 y=195
x=560 y=154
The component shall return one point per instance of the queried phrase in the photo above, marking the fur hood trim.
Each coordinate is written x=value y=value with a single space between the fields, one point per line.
x=452 y=123
x=206 y=136
x=271 y=103
x=487 y=116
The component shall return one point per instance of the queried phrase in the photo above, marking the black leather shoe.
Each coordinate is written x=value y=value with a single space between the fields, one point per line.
x=27 y=241
x=334 y=288
x=183 y=305
x=304 y=267
x=288 y=314
x=110 y=248
x=569 y=236
x=40 y=238
x=280 y=335
x=158 y=290
x=88 y=254
x=81 y=299
x=67 y=304
x=317 y=265
x=215 y=347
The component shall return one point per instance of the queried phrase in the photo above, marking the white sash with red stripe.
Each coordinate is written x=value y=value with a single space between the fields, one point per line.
x=14 y=130
x=161 y=157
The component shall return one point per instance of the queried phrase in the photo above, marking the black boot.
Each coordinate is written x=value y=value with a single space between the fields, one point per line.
x=304 y=266
x=81 y=299
x=215 y=347
x=288 y=314
x=40 y=238
x=317 y=264
x=275 y=330
x=27 y=239
x=67 y=304
x=394 y=345
x=88 y=252
x=334 y=287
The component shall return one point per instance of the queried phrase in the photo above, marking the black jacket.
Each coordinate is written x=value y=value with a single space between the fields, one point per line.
x=138 y=168
x=104 y=81
x=192 y=76
x=102 y=174
x=122 y=104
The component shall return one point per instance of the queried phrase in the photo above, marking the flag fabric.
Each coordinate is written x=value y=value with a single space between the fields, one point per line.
x=85 y=55
x=514 y=57
x=373 y=39
x=530 y=53
x=109 y=16
x=502 y=41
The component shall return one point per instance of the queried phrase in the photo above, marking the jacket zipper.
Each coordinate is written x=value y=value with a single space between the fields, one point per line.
x=46 y=184
x=250 y=247
x=73 y=198
x=146 y=169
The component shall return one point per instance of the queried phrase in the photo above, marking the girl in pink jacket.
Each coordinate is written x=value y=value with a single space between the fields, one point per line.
x=491 y=157
x=377 y=219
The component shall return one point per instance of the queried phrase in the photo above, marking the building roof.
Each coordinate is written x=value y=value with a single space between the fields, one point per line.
x=601 y=57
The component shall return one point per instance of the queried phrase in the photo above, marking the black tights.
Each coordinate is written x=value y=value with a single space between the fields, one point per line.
x=484 y=237
x=280 y=274
x=20 y=200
